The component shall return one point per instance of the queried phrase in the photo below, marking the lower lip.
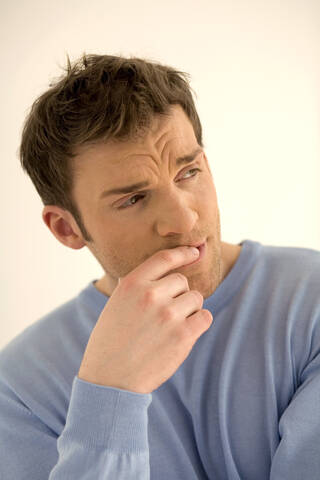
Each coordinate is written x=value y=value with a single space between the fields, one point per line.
x=202 y=250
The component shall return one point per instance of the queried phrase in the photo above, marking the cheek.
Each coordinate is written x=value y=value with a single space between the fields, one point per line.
x=207 y=192
x=123 y=250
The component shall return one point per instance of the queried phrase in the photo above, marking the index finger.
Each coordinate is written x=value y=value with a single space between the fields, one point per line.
x=160 y=263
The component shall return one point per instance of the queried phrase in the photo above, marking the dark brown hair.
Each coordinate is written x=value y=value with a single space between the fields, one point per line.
x=101 y=97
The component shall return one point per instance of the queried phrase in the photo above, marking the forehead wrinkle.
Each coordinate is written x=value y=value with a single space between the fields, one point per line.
x=155 y=154
x=140 y=171
x=160 y=141
x=164 y=160
x=135 y=165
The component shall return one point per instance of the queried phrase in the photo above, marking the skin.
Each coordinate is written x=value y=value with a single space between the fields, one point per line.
x=179 y=207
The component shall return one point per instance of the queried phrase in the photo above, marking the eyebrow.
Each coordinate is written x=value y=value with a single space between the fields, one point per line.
x=137 y=186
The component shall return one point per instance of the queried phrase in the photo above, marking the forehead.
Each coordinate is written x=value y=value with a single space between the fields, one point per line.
x=176 y=130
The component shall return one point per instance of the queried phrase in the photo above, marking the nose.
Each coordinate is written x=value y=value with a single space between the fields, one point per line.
x=177 y=214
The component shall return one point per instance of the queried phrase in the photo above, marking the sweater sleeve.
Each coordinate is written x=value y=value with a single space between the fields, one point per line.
x=105 y=437
x=298 y=453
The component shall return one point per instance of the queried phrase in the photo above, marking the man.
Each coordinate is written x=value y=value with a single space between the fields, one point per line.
x=175 y=364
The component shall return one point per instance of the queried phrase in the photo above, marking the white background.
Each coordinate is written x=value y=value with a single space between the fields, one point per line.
x=255 y=68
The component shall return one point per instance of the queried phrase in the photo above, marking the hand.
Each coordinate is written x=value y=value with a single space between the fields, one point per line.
x=148 y=326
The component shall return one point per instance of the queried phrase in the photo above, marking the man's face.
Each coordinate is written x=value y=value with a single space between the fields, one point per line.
x=179 y=207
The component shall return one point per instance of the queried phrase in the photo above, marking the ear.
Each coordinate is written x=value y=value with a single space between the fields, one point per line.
x=63 y=226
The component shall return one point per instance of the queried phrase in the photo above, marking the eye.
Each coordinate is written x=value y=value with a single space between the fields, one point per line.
x=127 y=203
x=193 y=169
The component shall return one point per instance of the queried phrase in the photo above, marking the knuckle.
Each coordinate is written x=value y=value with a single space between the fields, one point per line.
x=182 y=278
x=126 y=283
x=167 y=256
x=207 y=315
x=198 y=296
x=149 y=297
x=167 y=314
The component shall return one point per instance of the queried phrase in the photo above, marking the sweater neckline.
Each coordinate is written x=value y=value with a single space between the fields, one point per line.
x=235 y=278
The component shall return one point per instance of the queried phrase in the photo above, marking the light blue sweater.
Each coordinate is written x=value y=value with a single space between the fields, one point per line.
x=245 y=404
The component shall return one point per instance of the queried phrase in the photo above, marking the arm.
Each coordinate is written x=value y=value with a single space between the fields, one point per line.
x=298 y=454
x=146 y=330
x=105 y=437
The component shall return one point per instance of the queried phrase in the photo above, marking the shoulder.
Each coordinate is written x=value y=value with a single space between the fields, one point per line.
x=296 y=266
x=293 y=284
x=38 y=366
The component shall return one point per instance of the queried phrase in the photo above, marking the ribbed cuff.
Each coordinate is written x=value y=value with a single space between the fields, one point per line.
x=107 y=417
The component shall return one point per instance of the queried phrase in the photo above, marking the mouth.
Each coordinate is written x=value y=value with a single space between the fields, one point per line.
x=202 y=249
x=197 y=245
